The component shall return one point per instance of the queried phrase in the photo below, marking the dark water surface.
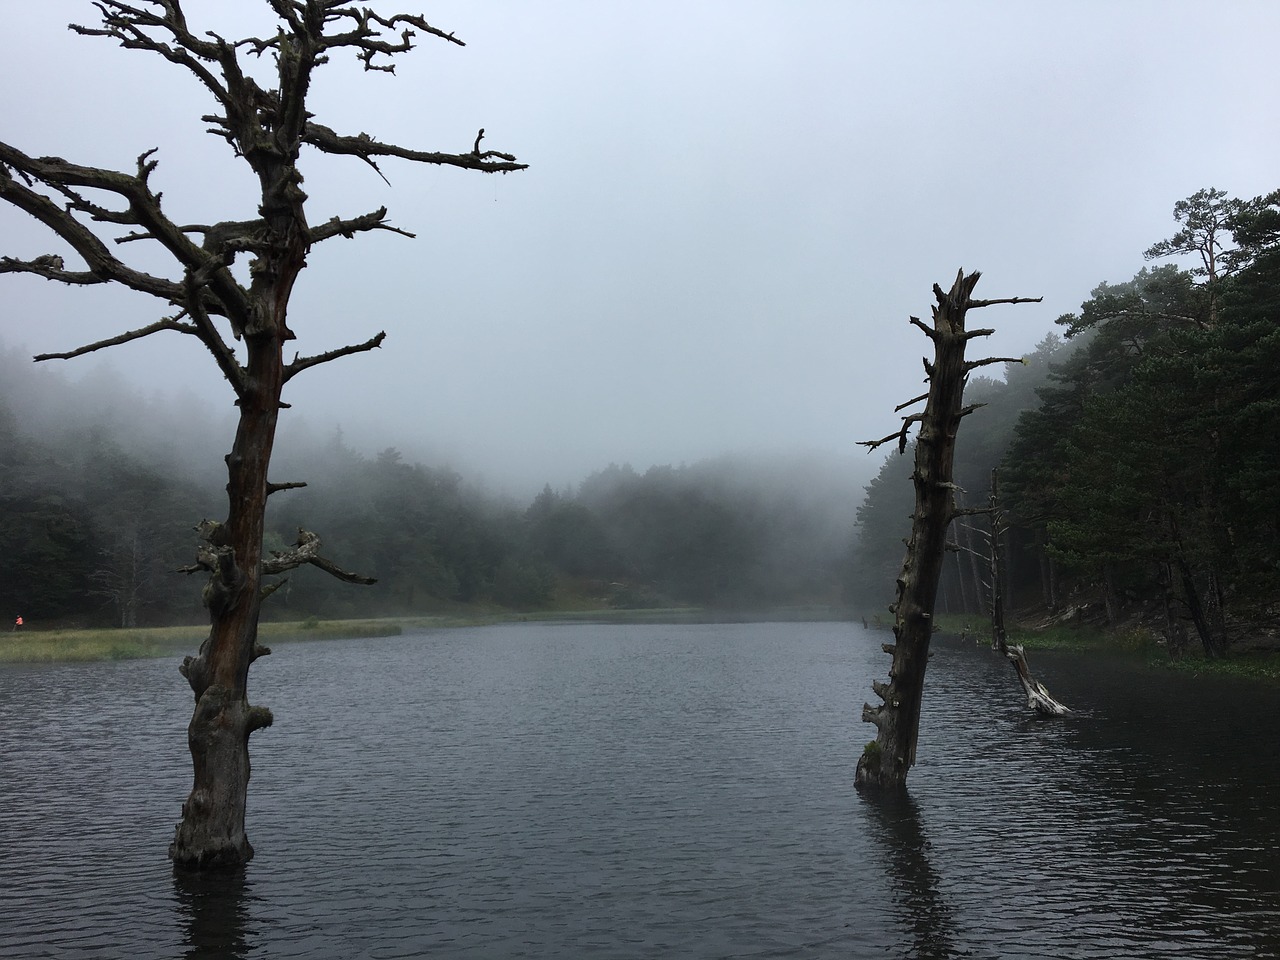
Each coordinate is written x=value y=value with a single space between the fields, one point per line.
x=616 y=791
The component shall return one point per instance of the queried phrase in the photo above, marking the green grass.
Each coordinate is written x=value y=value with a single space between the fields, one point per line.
x=46 y=646
x=72 y=646
x=1137 y=641
x=1252 y=666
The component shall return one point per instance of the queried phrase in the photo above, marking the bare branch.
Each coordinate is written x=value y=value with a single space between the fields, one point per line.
x=931 y=333
x=366 y=36
x=902 y=406
x=974 y=364
x=900 y=435
x=223 y=355
x=336 y=227
x=346 y=576
x=166 y=323
x=306 y=550
x=976 y=304
x=277 y=487
x=129 y=25
x=51 y=267
x=302 y=363
x=101 y=262
x=365 y=147
x=227 y=296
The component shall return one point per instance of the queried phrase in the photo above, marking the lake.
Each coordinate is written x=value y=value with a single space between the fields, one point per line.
x=613 y=791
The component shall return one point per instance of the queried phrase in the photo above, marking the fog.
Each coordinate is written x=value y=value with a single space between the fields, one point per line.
x=731 y=210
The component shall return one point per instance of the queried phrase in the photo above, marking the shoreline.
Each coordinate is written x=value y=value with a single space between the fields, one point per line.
x=1253 y=661
x=121 y=643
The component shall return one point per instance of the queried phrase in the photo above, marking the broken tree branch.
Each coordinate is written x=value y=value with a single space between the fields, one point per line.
x=975 y=364
x=337 y=227
x=306 y=550
x=902 y=406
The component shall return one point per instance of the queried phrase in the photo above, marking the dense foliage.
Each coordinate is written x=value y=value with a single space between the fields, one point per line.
x=1142 y=471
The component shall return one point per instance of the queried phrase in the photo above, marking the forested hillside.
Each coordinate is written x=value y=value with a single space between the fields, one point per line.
x=1140 y=461
x=100 y=489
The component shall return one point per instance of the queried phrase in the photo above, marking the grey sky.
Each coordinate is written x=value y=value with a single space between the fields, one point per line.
x=732 y=208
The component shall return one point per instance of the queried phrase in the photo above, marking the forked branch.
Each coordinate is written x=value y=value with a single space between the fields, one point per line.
x=307 y=550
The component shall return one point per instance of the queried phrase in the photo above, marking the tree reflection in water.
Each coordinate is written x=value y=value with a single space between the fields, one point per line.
x=925 y=913
x=215 y=910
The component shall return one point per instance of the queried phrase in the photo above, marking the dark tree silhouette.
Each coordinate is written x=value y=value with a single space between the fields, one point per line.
x=885 y=762
x=88 y=206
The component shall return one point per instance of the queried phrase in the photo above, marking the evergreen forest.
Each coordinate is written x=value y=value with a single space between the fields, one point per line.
x=1138 y=453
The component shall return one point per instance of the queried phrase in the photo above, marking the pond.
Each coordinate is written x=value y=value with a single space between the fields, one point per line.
x=613 y=791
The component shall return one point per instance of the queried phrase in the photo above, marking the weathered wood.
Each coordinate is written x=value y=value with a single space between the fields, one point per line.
x=886 y=761
x=266 y=128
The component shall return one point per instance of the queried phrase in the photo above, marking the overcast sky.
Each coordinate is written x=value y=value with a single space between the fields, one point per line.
x=731 y=210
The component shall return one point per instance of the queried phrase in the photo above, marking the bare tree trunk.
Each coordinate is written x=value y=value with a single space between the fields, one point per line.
x=1038 y=698
x=1214 y=645
x=1174 y=631
x=266 y=126
x=1048 y=573
x=971 y=552
x=212 y=829
x=965 y=605
x=885 y=762
x=1109 y=594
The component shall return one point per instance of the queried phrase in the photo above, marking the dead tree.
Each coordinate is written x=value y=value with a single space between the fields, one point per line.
x=886 y=760
x=1038 y=698
x=240 y=316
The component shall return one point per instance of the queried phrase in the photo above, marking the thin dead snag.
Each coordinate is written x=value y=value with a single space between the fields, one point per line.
x=266 y=127
x=1038 y=698
x=887 y=759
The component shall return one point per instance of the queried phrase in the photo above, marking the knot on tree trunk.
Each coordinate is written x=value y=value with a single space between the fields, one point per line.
x=196 y=669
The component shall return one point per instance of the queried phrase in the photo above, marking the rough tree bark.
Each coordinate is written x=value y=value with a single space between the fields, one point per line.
x=266 y=126
x=887 y=759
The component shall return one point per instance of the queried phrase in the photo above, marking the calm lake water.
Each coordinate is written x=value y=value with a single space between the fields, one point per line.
x=551 y=791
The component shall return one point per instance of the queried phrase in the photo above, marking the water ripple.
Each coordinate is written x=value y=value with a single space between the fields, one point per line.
x=642 y=791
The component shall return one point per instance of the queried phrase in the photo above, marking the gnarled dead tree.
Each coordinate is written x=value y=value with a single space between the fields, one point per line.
x=242 y=323
x=886 y=760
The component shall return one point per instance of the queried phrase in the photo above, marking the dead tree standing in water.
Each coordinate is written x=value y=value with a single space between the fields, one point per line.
x=886 y=760
x=1038 y=698
x=238 y=315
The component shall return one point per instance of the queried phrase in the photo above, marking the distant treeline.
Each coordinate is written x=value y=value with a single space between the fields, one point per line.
x=97 y=513
x=1140 y=460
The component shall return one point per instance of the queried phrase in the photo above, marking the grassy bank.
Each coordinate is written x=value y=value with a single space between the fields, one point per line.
x=47 y=646
x=1253 y=663
x=70 y=646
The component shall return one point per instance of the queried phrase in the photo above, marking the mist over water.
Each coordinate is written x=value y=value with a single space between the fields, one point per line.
x=636 y=791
